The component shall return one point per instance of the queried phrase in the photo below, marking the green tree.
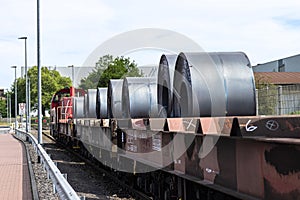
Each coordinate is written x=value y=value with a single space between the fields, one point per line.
x=92 y=79
x=120 y=67
x=52 y=81
x=267 y=94
x=4 y=103
x=3 y=110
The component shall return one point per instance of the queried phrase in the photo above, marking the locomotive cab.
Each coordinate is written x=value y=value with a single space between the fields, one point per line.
x=62 y=110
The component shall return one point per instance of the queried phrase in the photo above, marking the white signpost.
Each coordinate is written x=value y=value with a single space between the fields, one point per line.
x=22 y=109
x=22 y=112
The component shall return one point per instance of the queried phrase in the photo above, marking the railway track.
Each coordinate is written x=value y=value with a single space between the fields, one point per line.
x=86 y=175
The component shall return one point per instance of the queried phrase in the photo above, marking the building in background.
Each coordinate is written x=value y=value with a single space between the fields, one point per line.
x=289 y=64
x=278 y=84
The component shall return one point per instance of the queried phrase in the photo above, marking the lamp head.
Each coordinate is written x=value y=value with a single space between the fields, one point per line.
x=22 y=38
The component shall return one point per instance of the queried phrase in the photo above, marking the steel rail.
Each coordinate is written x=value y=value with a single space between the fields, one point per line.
x=130 y=189
x=60 y=184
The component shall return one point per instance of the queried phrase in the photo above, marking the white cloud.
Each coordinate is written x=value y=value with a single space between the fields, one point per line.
x=70 y=30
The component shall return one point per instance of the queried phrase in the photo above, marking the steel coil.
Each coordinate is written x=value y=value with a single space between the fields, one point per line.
x=114 y=98
x=78 y=107
x=91 y=103
x=207 y=84
x=239 y=84
x=165 y=84
x=139 y=97
x=85 y=104
x=101 y=104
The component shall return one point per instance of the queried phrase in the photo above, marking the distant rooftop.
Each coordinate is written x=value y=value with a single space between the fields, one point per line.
x=149 y=70
x=279 y=78
x=289 y=57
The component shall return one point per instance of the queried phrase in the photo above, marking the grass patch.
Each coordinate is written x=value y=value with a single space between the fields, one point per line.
x=4 y=124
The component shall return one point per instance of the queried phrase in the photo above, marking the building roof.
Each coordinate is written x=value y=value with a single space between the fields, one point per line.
x=278 y=78
x=285 y=58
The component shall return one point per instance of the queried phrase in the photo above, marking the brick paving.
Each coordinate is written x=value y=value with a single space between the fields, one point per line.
x=14 y=176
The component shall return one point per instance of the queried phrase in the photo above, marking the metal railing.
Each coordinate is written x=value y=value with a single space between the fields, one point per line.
x=60 y=184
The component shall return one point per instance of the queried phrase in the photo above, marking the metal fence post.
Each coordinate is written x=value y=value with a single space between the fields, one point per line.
x=256 y=97
x=279 y=100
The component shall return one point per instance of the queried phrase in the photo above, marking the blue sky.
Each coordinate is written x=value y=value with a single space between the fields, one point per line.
x=72 y=29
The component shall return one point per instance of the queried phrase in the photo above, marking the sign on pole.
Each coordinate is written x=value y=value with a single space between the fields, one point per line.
x=22 y=108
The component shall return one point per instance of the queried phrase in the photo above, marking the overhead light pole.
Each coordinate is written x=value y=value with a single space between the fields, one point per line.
x=16 y=97
x=7 y=106
x=73 y=81
x=29 y=108
x=8 y=116
x=9 y=110
x=40 y=140
x=26 y=82
x=72 y=92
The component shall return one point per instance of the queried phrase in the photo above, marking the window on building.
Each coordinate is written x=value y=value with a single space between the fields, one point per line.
x=281 y=65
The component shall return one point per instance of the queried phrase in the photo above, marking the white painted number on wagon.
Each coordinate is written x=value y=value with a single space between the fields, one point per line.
x=250 y=128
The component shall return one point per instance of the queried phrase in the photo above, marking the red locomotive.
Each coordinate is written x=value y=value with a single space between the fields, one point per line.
x=62 y=110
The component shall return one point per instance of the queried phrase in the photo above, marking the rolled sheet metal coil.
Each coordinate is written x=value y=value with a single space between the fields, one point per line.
x=239 y=84
x=85 y=104
x=165 y=84
x=213 y=84
x=78 y=107
x=139 y=97
x=101 y=104
x=114 y=98
x=91 y=103
x=191 y=95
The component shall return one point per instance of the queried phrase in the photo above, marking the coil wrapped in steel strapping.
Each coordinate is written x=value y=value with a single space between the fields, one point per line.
x=139 y=97
x=165 y=84
x=206 y=84
x=114 y=98
x=101 y=104
x=78 y=107
x=91 y=103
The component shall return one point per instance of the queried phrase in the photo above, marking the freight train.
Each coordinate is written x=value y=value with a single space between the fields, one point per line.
x=190 y=133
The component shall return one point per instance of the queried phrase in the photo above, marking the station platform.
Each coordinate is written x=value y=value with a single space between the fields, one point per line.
x=15 y=183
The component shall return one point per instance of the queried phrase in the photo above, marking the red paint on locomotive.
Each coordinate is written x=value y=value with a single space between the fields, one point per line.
x=62 y=104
